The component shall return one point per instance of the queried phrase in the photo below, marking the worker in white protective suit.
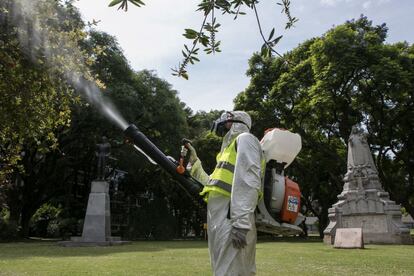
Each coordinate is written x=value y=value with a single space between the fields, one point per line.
x=232 y=192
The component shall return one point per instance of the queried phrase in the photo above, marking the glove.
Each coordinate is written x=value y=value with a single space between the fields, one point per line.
x=193 y=154
x=238 y=237
x=184 y=151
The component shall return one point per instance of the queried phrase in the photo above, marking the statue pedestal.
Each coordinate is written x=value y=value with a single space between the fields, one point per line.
x=97 y=223
x=364 y=204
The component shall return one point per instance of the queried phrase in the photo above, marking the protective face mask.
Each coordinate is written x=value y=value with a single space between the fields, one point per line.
x=219 y=126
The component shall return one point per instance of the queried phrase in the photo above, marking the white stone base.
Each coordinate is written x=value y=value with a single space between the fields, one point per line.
x=349 y=238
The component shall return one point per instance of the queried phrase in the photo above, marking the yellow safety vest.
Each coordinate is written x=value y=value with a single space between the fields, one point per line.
x=221 y=180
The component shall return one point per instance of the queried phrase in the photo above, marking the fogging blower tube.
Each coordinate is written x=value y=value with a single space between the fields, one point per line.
x=140 y=140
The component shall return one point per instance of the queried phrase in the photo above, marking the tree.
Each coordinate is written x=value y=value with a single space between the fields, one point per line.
x=42 y=157
x=35 y=103
x=348 y=76
x=154 y=107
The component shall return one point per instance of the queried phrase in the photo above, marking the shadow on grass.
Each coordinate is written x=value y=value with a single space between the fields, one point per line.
x=29 y=249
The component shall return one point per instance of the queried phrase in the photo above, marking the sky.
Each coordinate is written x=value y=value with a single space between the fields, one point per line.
x=151 y=38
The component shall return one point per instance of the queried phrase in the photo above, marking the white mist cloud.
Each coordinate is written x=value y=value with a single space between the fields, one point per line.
x=37 y=35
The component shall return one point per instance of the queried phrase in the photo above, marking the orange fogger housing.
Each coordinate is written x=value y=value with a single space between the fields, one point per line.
x=291 y=203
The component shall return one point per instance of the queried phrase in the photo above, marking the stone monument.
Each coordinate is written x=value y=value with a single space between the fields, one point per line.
x=97 y=223
x=363 y=203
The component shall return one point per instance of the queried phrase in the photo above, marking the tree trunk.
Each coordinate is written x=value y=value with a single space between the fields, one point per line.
x=29 y=209
x=25 y=222
x=323 y=222
x=15 y=210
x=14 y=201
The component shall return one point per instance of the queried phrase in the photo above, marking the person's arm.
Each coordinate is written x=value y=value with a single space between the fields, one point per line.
x=246 y=182
x=198 y=172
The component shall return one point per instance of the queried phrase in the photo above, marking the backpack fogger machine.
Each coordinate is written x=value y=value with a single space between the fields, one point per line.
x=278 y=210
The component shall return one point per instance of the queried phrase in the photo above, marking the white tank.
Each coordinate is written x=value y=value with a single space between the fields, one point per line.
x=278 y=192
x=281 y=145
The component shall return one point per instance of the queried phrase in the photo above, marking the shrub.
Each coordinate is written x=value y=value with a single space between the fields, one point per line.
x=41 y=219
x=7 y=231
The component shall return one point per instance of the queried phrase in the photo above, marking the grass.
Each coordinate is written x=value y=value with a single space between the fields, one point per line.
x=191 y=258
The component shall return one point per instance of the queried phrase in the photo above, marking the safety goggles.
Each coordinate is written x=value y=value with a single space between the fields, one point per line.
x=219 y=126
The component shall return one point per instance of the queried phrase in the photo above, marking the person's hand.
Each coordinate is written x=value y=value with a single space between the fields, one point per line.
x=238 y=237
x=193 y=154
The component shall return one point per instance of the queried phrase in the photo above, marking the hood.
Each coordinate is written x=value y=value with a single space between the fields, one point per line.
x=237 y=128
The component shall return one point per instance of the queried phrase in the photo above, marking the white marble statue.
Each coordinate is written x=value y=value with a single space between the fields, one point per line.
x=359 y=153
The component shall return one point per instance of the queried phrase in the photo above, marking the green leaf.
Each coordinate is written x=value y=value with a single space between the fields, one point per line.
x=265 y=52
x=271 y=34
x=137 y=3
x=190 y=33
x=276 y=40
x=184 y=75
x=115 y=2
x=204 y=41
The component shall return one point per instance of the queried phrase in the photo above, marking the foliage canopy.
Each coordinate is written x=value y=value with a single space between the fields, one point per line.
x=347 y=76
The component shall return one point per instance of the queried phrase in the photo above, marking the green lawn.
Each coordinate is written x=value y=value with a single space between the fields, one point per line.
x=191 y=258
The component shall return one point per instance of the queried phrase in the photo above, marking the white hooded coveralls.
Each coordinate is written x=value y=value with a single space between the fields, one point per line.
x=224 y=258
